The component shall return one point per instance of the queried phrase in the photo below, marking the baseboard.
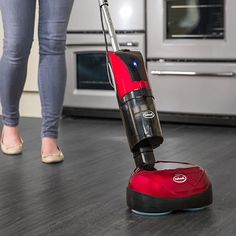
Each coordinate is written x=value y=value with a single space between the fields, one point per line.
x=206 y=119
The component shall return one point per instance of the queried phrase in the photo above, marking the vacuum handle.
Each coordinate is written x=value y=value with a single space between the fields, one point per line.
x=111 y=30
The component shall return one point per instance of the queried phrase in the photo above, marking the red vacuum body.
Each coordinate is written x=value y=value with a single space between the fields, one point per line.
x=154 y=188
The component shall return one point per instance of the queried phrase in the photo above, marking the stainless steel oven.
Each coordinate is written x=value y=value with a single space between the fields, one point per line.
x=200 y=29
x=191 y=53
x=87 y=81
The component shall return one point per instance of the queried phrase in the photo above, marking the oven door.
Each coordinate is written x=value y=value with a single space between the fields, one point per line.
x=87 y=81
x=191 y=29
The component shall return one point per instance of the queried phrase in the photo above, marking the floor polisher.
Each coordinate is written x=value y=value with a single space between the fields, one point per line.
x=155 y=187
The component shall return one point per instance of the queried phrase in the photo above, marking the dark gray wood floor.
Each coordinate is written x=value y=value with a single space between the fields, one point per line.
x=85 y=195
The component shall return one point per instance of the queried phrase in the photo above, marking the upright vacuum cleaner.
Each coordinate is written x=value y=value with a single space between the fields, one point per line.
x=155 y=187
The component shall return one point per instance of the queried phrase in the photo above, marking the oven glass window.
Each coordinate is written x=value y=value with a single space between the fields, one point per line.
x=91 y=71
x=195 y=19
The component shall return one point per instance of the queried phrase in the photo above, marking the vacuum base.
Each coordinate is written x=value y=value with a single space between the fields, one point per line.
x=170 y=186
x=152 y=206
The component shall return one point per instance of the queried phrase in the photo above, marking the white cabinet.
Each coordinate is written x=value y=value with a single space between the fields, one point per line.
x=30 y=102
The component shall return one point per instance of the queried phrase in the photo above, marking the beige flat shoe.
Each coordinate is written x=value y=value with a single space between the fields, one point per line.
x=52 y=158
x=12 y=150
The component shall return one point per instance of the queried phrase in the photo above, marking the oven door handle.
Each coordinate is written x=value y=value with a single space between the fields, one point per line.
x=191 y=73
x=123 y=44
x=130 y=44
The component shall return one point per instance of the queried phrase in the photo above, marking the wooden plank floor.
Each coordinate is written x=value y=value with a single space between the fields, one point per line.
x=85 y=195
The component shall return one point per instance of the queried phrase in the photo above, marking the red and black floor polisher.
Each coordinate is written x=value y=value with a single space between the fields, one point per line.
x=155 y=187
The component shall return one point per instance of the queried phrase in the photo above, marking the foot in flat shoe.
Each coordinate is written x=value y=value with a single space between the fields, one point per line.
x=11 y=142
x=50 y=152
x=52 y=158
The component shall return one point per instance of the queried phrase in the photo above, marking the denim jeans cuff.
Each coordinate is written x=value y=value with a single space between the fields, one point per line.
x=9 y=123
x=49 y=135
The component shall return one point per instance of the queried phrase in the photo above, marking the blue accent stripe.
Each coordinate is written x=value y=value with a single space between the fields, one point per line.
x=151 y=214
x=195 y=209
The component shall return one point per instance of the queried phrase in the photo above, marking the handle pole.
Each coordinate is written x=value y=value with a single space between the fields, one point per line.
x=111 y=30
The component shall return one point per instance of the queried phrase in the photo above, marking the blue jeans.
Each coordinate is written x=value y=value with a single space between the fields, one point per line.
x=18 y=23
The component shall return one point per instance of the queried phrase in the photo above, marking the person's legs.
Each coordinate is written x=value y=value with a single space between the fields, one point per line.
x=53 y=20
x=18 y=23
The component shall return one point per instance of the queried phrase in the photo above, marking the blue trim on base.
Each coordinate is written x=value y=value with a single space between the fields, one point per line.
x=151 y=214
x=167 y=212
x=195 y=209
